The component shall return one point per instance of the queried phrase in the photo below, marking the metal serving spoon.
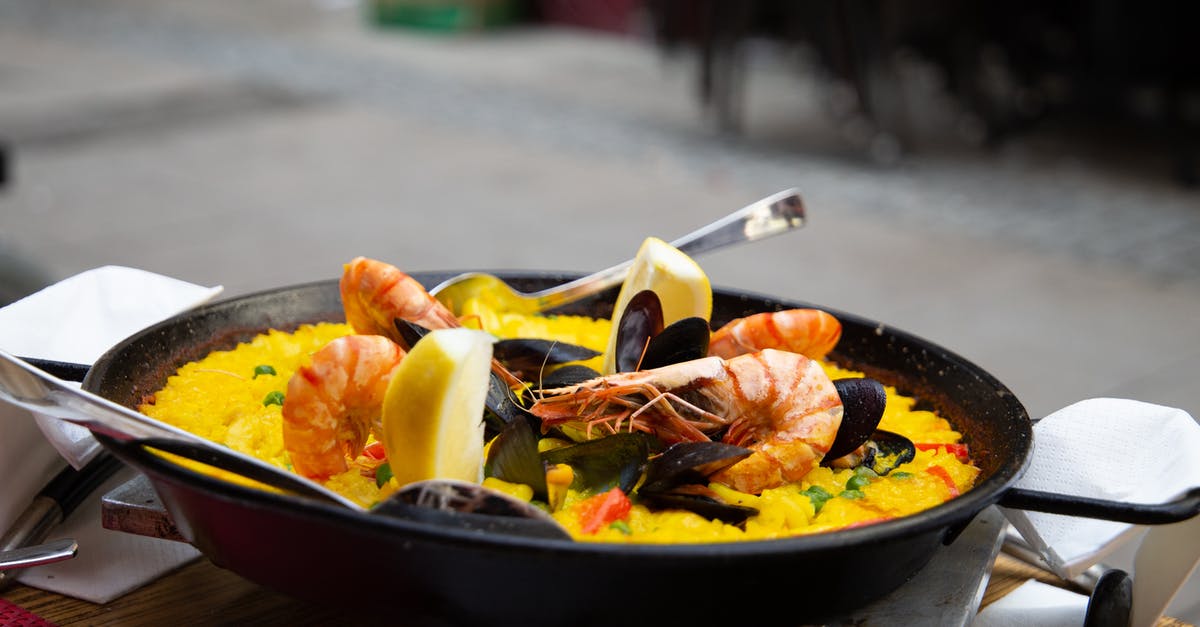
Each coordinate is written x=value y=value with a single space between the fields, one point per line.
x=773 y=215
x=27 y=386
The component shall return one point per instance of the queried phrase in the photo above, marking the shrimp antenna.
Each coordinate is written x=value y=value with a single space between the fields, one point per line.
x=542 y=368
x=642 y=357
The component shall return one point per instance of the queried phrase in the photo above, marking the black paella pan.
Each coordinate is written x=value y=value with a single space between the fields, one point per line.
x=435 y=575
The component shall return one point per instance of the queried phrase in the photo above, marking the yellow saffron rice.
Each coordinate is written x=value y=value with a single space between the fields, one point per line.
x=231 y=397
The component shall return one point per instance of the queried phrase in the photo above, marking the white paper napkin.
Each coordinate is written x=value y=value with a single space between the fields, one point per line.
x=1034 y=603
x=77 y=320
x=1114 y=449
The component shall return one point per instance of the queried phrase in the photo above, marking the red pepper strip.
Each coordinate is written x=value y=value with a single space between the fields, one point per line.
x=375 y=451
x=602 y=510
x=959 y=449
x=941 y=473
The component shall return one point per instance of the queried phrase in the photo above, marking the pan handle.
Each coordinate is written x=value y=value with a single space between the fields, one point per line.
x=1180 y=509
x=64 y=370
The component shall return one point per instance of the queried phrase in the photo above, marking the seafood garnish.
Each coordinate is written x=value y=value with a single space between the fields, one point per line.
x=810 y=332
x=699 y=500
x=683 y=340
x=513 y=457
x=617 y=460
x=470 y=506
x=864 y=400
x=886 y=450
x=641 y=320
x=528 y=357
x=335 y=401
x=375 y=293
x=568 y=375
x=689 y=462
x=780 y=404
x=644 y=344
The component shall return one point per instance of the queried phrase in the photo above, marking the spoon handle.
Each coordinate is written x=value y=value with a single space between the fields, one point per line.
x=30 y=388
x=773 y=215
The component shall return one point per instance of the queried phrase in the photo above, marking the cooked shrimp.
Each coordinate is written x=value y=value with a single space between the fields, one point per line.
x=374 y=294
x=778 y=403
x=810 y=332
x=335 y=401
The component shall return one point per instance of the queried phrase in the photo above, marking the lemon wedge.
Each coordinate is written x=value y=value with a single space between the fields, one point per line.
x=433 y=408
x=681 y=285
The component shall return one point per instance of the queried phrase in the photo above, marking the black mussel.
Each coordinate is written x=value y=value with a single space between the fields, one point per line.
x=682 y=340
x=513 y=456
x=863 y=401
x=570 y=374
x=502 y=407
x=641 y=320
x=700 y=500
x=409 y=333
x=470 y=506
x=600 y=464
x=886 y=450
x=689 y=462
x=528 y=357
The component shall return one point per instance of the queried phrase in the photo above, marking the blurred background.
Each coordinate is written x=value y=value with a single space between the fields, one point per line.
x=1017 y=182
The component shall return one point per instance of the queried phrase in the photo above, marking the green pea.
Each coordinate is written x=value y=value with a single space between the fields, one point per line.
x=263 y=369
x=273 y=398
x=621 y=526
x=866 y=471
x=851 y=494
x=818 y=496
x=857 y=482
x=382 y=474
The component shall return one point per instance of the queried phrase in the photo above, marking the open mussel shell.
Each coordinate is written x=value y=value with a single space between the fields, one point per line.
x=528 y=357
x=502 y=407
x=886 y=450
x=408 y=333
x=641 y=320
x=513 y=457
x=682 y=340
x=689 y=463
x=470 y=506
x=568 y=375
x=863 y=400
x=705 y=505
x=613 y=460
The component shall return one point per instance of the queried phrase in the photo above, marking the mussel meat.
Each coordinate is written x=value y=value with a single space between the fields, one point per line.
x=885 y=450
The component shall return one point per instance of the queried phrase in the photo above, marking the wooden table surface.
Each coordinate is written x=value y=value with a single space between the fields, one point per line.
x=201 y=593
